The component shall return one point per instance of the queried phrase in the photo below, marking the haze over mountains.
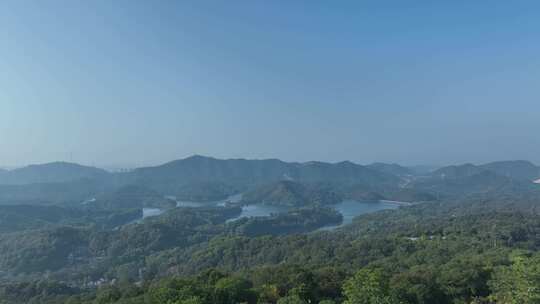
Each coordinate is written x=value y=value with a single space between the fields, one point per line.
x=49 y=173
x=200 y=178
x=85 y=228
x=323 y=104
x=519 y=170
x=201 y=168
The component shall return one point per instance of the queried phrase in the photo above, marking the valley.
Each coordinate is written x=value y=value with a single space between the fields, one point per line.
x=144 y=226
x=269 y=152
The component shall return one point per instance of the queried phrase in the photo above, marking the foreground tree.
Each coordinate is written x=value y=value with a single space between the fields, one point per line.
x=368 y=286
x=518 y=283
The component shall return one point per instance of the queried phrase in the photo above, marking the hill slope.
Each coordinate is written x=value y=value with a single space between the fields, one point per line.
x=467 y=179
x=393 y=169
x=241 y=174
x=50 y=173
x=287 y=193
x=133 y=196
x=518 y=169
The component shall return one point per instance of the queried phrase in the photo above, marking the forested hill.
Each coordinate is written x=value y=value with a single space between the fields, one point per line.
x=520 y=169
x=194 y=178
x=517 y=170
x=242 y=174
x=200 y=178
x=471 y=237
x=480 y=249
x=288 y=193
x=50 y=173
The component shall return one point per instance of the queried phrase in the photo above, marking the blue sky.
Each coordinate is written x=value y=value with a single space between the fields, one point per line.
x=143 y=82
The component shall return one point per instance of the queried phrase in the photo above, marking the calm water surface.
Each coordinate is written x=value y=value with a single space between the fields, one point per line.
x=231 y=199
x=259 y=210
x=148 y=212
x=349 y=209
x=352 y=209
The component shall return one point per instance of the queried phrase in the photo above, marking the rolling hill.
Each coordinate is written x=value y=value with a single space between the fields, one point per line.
x=56 y=172
x=200 y=178
x=292 y=194
x=176 y=177
x=519 y=169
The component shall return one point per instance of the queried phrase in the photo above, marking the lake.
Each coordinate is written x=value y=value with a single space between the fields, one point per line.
x=259 y=210
x=349 y=209
x=231 y=199
x=148 y=212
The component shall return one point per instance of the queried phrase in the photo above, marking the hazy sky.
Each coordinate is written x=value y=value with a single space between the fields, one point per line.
x=143 y=82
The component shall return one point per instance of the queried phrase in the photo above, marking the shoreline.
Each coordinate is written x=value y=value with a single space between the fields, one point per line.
x=396 y=202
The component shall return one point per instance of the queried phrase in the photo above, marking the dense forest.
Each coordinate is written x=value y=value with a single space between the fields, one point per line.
x=455 y=243
x=353 y=152
x=456 y=252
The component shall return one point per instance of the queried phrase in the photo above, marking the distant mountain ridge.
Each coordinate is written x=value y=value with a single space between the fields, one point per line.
x=518 y=170
x=242 y=173
x=194 y=178
x=200 y=178
x=467 y=179
x=56 y=172
x=199 y=168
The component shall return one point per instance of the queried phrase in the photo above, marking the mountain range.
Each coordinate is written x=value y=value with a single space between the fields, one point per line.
x=200 y=178
x=56 y=172
x=518 y=170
